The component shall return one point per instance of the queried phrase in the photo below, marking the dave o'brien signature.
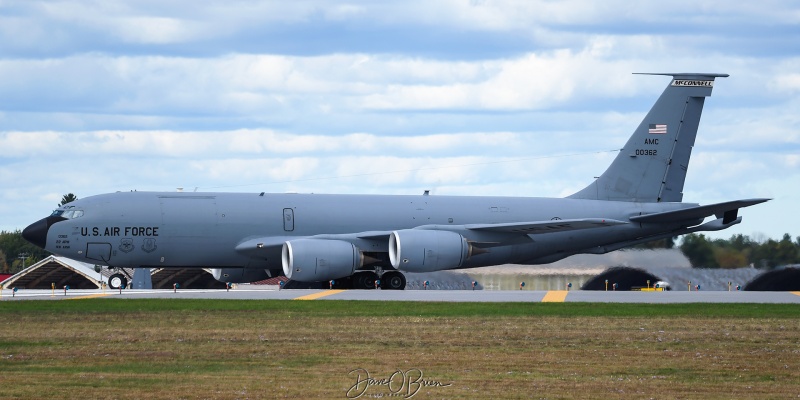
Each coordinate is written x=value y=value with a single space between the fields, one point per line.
x=399 y=383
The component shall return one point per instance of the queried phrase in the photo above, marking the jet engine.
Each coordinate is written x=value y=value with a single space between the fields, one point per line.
x=415 y=250
x=239 y=275
x=313 y=260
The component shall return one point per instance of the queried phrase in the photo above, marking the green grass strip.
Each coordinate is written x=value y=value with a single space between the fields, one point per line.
x=338 y=308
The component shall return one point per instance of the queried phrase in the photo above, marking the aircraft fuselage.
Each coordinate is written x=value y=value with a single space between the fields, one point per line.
x=136 y=229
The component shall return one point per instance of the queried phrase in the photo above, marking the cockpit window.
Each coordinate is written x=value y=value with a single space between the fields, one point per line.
x=68 y=214
x=72 y=214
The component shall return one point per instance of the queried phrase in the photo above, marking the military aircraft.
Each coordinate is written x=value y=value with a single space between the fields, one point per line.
x=358 y=239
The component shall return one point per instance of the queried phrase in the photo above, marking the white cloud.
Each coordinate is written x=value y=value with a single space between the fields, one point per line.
x=266 y=85
x=245 y=142
x=341 y=12
x=155 y=30
x=786 y=82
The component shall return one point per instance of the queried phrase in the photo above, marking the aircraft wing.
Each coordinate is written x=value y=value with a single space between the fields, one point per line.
x=727 y=210
x=262 y=245
x=536 y=227
x=378 y=240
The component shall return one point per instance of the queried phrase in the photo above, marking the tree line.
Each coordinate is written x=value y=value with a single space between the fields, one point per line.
x=13 y=249
x=16 y=253
x=740 y=251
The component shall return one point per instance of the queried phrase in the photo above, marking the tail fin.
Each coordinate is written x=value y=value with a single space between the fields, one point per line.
x=652 y=165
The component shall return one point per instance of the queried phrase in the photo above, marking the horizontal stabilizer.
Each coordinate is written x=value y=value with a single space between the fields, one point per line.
x=699 y=212
x=559 y=225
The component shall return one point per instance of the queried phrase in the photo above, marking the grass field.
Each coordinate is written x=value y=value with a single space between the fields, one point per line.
x=166 y=349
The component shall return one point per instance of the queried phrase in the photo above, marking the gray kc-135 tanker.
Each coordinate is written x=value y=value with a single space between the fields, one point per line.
x=356 y=239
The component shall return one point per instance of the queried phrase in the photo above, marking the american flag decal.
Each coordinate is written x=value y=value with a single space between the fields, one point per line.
x=657 y=128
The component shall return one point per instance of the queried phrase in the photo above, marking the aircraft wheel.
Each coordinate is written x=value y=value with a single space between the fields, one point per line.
x=364 y=280
x=393 y=281
x=117 y=281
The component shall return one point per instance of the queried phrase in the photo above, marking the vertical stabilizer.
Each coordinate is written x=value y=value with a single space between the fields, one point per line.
x=652 y=166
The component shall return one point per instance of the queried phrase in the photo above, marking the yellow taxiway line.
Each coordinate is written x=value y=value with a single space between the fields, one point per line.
x=91 y=296
x=314 y=296
x=796 y=293
x=555 y=296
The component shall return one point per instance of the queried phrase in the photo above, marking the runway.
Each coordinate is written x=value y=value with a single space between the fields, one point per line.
x=525 y=296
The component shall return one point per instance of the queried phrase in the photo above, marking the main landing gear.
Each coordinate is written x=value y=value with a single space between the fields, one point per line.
x=391 y=280
x=364 y=280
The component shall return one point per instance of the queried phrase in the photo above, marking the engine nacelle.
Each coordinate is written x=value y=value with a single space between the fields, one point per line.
x=314 y=260
x=239 y=275
x=415 y=250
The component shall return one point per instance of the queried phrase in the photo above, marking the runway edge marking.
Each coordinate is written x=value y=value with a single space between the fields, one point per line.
x=91 y=296
x=314 y=296
x=555 y=296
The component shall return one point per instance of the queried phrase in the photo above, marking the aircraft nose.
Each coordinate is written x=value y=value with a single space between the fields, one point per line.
x=36 y=232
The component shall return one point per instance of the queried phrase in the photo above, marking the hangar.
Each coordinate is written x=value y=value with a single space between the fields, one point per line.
x=186 y=278
x=56 y=272
x=626 y=278
x=782 y=279
x=61 y=271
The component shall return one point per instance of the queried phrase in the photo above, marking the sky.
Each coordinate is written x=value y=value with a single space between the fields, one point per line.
x=481 y=97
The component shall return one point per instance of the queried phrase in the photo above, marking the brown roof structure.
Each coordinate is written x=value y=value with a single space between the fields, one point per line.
x=56 y=272
x=61 y=271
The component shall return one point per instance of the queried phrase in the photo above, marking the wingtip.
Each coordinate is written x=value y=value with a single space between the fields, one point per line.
x=757 y=201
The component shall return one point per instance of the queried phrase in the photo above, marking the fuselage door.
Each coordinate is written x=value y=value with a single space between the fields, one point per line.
x=98 y=251
x=288 y=219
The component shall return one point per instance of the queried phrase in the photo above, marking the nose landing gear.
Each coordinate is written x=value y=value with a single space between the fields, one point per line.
x=117 y=281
